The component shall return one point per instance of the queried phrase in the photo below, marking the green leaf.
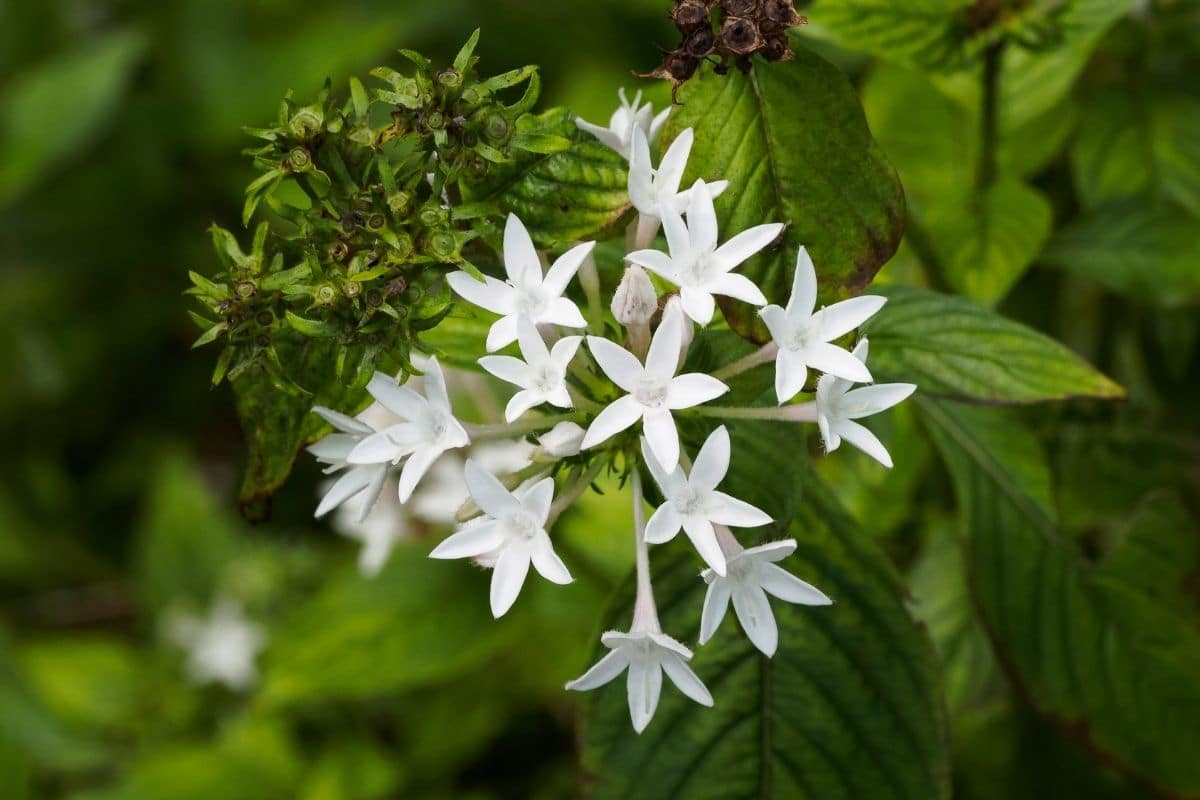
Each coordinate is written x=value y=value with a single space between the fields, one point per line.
x=310 y=327
x=563 y=196
x=928 y=33
x=50 y=112
x=792 y=140
x=847 y=708
x=986 y=244
x=1109 y=651
x=414 y=623
x=952 y=347
x=1144 y=249
x=1135 y=142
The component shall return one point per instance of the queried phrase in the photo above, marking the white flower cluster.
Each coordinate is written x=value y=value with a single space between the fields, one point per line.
x=600 y=388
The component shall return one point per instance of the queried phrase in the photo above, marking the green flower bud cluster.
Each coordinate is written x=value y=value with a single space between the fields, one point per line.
x=366 y=216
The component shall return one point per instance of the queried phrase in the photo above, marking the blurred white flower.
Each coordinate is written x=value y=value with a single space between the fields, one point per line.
x=653 y=192
x=542 y=376
x=512 y=532
x=429 y=431
x=654 y=391
x=618 y=135
x=378 y=530
x=562 y=441
x=221 y=648
x=837 y=406
x=804 y=337
x=362 y=481
x=693 y=503
x=752 y=575
x=697 y=265
x=527 y=293
x=444 y=490
x=646 y=654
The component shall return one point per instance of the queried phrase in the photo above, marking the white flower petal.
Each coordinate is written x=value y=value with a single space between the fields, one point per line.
x=674 y=162
x=415 y=468
x=786 y=586
x=620 y=365
x=342 y=422
x=538 y=498
x=488 y=492
x=754 y=612
x=659 y=427
x=868 y=400
x=489 y=294
x=693 y=389
x=502 y=333
x=533 y=348
x=739 y=287
x=663 y=356
x=654 y=260
x=564 y=350
x=679 y=241
x=565 y=267
x=644 y=686
x=346 y=486
x=507 y=368
x=603 y=671
x=712 y=462
x=473 y=540
x=521 y=261
x=334 y=448
x=804 y=287
x=702 y=219
x=777 y=323
x=685 y=680
x=508 y=577
x=547 y=562
x=864 y=440
x=704 y=539
x=664 y=524
x=746 y=244
x=521 y=402
x=771 y=551
x=399 y=400
x=641 y=174
x=562 y=311
x=737 y=513
x=833 y=360
x=606 y=137
x=616 y=417
x=840 y=318
x=379 y=448
x=791 y=373
x=371 y=494
x=716 y=603
x=697 y=304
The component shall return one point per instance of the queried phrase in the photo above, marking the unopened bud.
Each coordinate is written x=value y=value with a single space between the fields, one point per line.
x=635 y=301
x=562 y=441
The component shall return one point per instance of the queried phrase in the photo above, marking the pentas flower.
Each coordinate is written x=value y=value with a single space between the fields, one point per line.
x=646 y=654
x=837 y=406
x=697 y=265
x=542 y=376
x=365 y=481
x=655 y=191
x=511 y=533
x=444 y=490
x=384 y=524
x=803 y=336
x=222 y=648
x=528 y=293
x=693 y=503
x=625 y=120
x=654 y=391
x=561 y=441
x=751 y=575
x=429 y=431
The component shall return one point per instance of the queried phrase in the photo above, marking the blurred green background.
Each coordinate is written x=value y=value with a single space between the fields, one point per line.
x=120 y=140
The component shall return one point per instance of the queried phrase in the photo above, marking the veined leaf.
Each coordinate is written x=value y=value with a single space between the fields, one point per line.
x=793 y=142
x=952 y=347
x=1108 y=651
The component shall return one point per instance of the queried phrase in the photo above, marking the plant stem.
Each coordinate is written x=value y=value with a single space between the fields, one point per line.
x=759 y=356
x=645 y=615
x=993 y=63
x=573 y=492
x=483 y=433
x=800 y=412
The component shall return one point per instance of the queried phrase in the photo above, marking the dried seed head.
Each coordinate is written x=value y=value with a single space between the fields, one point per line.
x=781 y=12
x=700 y=43
x=777 y=49
x=680 y=66
x=741 y=36
x=740 y=8
x=690 y=14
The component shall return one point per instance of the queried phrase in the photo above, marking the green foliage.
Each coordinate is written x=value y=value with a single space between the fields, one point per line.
x=1106 y=647
x=952 y=347
x=792 y=139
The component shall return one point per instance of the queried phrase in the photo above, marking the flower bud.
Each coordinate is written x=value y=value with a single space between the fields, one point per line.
x=562 y=441
x=635 y=300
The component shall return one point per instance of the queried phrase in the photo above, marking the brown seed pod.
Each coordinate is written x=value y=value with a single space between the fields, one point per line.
x=700 y=43
x=690 y=15
x=777 y=49
x=781 y=12
x=740 y=8
x=741 y=36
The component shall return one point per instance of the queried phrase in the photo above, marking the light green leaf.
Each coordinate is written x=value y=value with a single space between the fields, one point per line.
x=847 y=708
x=952 y=347
x=1147 y=250
x=52 y=111
x=1108 y=651
x=792 y=140
x=929 y=33
x=562 y=195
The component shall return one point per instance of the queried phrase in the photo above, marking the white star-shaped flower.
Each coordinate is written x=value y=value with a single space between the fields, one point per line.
x=694 y=504
x=444 y=490
x=365 y=481
x=528 y=293
x=697 y=265
x=542 y=376
x=429 y=431
x=804 y=337
x=646 y=654
x=222 y=648
x=654 y=391
x=512 y=531
x=383 y=524
x=751 y=576
x=629 y=116
x=655 y=191
x=838 y=406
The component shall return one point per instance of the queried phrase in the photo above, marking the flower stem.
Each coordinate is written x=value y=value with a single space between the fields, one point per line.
x=800 y=412
x=484 y=433
x=645 y=615
x=993 y=63
x=589 y=279
x=759 y=356
x=573 y=492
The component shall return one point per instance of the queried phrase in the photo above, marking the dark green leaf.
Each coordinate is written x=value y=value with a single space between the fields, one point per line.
x=952 y=347
x=792 y=140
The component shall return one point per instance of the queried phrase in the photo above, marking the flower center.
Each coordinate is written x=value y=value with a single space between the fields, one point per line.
x=651 y=392
x=532 y=303
x=547 y=379
x=698 y=271
x=521 y=525
x=689 y=501
x=798 y=339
